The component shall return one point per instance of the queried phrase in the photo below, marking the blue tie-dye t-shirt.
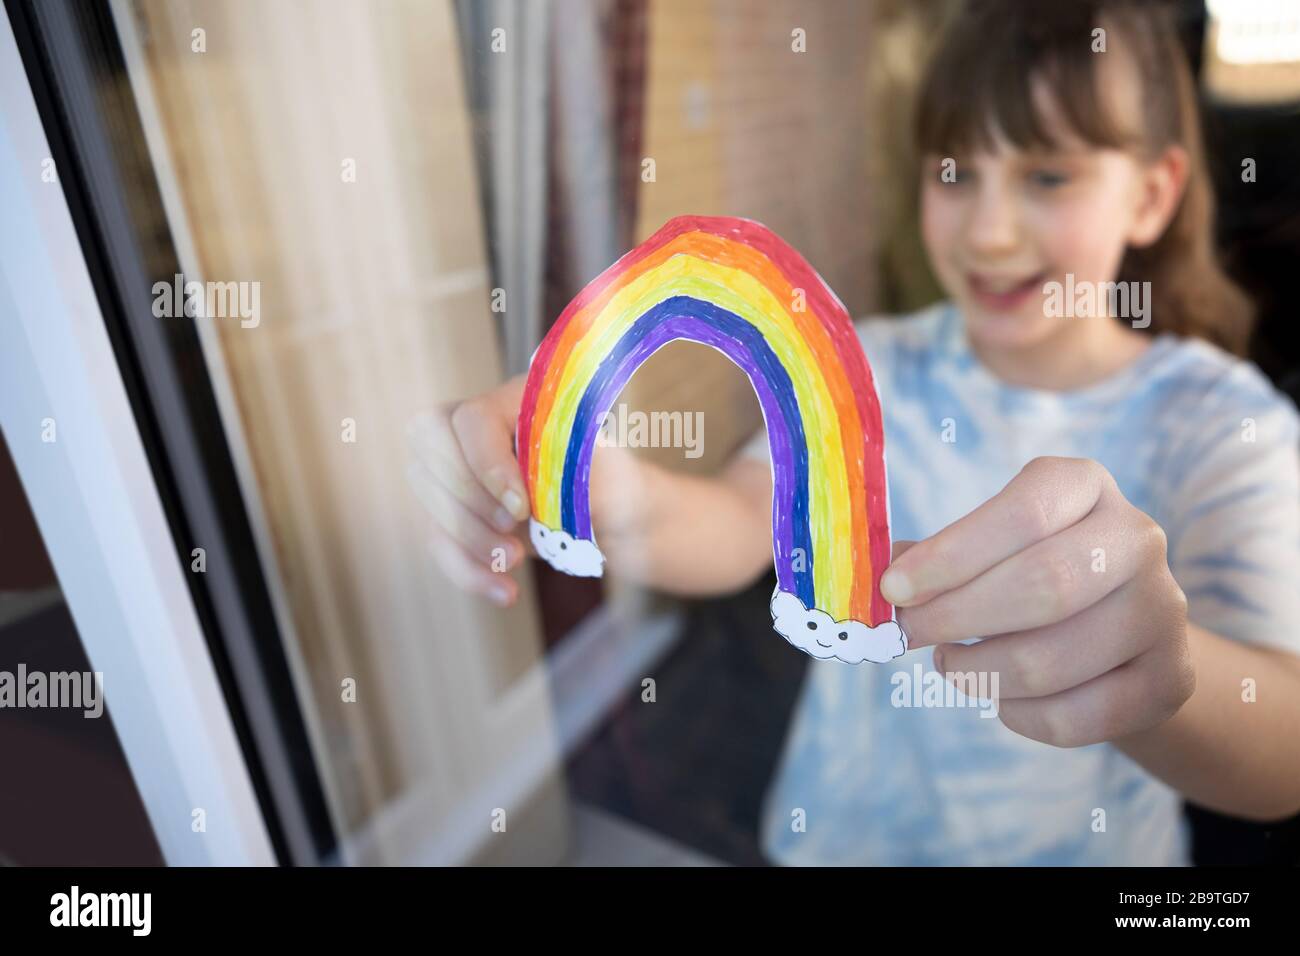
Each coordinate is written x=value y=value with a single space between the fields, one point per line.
x=1194 y=437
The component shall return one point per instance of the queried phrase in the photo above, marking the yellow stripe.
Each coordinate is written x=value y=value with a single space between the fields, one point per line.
x=739 y=292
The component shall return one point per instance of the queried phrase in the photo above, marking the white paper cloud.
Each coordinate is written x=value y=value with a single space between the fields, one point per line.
x=816 y=633
x=562 y=551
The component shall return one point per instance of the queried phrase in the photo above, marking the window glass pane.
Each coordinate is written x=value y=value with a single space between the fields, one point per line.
x=400 y=199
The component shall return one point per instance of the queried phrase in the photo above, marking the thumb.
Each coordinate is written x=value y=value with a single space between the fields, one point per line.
x=484 y=427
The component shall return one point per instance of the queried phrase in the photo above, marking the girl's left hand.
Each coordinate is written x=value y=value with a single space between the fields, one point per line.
x=1070 y=585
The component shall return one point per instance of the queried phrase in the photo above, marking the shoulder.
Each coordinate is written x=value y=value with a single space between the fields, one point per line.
x=908 y=347
x=1231 y=495
x=919 y=330
x=1216 y=388
x=1233 y=451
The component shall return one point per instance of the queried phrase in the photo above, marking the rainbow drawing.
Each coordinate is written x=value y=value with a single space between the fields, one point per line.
x=734 y=285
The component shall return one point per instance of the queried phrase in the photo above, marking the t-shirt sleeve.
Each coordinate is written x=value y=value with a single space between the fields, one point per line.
x=1234 y=517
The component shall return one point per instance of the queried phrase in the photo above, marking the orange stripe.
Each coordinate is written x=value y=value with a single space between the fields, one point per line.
x=737 y=255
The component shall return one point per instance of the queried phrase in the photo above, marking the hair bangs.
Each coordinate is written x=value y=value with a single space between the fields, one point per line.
x=1029 y=81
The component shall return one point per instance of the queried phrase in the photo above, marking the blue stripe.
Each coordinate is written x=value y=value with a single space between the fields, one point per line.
x=778 y=380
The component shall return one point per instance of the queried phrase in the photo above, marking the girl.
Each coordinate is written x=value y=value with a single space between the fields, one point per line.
x=1104 y=503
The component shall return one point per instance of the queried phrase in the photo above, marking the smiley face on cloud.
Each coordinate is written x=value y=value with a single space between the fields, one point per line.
x=818 y=634
x=564 y=552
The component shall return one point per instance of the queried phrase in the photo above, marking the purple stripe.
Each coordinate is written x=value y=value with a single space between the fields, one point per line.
x=682 y=327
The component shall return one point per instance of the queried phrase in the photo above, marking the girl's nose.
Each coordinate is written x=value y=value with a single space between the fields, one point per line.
x=993 y=225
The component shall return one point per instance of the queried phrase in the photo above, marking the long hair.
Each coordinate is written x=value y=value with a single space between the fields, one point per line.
x=980 y=81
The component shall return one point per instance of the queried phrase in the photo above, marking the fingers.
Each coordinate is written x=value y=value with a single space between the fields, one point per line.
x=469 y=574
x=1048 y=660
x=437 y=451
x=1046 y=583
x=485 y=432
x=465 y=474
x=461 y=525
x=1088 y=628
x=1046 y=497
x=1137 y=696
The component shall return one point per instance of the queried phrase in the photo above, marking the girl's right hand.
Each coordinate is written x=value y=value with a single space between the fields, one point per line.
x=464 y=471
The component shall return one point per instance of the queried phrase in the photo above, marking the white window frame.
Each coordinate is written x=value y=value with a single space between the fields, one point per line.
x=101 y=517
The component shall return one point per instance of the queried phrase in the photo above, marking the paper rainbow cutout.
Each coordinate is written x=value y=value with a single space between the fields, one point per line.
x=734 y=285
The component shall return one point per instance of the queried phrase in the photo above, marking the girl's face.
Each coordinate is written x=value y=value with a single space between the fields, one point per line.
x=1011 y=221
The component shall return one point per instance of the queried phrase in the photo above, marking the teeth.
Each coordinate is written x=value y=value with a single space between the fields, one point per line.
x=999 y=286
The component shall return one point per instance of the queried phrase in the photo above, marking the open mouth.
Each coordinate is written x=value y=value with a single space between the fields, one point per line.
x=1004 y=293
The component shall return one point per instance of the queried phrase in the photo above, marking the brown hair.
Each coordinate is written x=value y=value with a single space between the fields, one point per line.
x=979 y=81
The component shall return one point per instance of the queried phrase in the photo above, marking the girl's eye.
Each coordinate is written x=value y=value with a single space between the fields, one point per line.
x=1048 y=178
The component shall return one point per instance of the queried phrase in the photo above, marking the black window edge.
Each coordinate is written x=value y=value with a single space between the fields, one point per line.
x=75 y=65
